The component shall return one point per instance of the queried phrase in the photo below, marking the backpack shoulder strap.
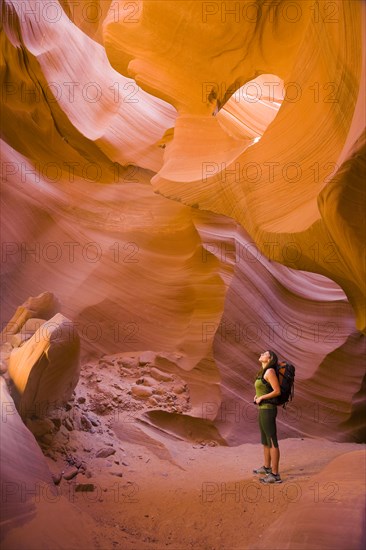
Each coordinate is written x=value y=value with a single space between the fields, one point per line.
x=263 y=373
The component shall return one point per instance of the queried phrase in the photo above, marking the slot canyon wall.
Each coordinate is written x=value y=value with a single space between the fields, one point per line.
x=190 y=182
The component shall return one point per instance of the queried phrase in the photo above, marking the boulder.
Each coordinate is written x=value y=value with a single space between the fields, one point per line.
x=141 y=391
x=160 y=375
x=105 y=452
x=42 y=306
x=45 y=370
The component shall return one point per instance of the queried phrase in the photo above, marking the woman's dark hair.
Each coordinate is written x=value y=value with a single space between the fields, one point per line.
x=272 y=363
x=274 y=359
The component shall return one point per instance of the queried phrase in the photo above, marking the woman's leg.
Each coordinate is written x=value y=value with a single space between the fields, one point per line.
x=264 y=439
x=271 y=449
x=274 y=450
x=267 y=456
x=275 y=458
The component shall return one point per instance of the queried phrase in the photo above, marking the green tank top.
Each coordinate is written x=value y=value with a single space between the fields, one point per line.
x=262 y=389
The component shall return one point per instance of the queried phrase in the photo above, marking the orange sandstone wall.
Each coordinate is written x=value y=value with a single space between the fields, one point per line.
x=189 y=179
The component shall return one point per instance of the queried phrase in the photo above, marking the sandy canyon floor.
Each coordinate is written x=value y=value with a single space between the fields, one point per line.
x=133 y=486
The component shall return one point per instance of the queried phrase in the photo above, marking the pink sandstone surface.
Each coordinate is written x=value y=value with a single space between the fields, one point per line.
x=183 y=185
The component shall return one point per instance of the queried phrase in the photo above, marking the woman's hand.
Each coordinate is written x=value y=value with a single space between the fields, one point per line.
x=257 y=400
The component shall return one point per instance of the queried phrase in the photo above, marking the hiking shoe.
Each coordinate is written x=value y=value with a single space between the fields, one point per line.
x=271 y=478
x=263 y=470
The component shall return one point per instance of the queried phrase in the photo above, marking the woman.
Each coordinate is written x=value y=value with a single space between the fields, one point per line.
x=267 y=416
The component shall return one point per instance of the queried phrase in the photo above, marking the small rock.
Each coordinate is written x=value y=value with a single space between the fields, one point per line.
x=68 y=423
x=71 y=473
x=104 y=453
x=141 y=391
x=93 y=419
x=56 y=478
x=160 y=375
x=86 y=424
x=81 y=399
x=153 y=401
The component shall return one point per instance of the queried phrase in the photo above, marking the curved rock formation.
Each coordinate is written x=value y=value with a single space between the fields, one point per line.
x=306 y=526
x=40 y=307
x=187 y=177
x=45 y=369
x=28 y=494
x=18 y=441
x=201 y=177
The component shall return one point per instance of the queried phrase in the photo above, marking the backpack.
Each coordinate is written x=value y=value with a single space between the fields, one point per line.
x=286 y=376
